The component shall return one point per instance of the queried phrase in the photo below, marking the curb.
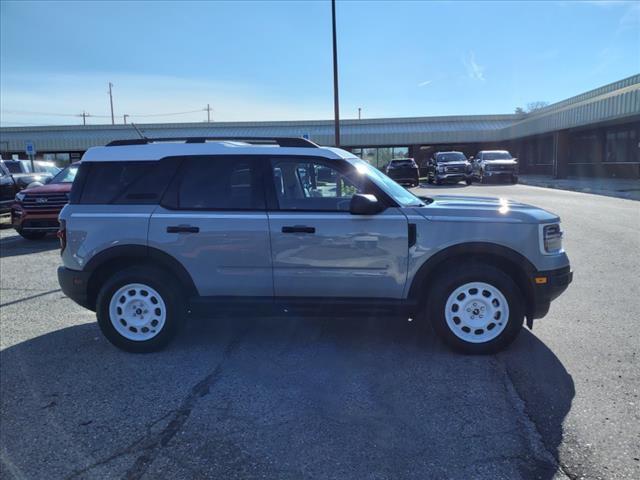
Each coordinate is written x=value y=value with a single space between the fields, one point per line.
x=606 y=193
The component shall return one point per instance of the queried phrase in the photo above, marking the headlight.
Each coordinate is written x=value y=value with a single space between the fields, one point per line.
x=551 y=239
x=20 y=197
x=441 y=168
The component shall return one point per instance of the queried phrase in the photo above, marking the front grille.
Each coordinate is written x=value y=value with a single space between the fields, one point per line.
x=455 y=169
x=44 y=201
x=499 y=168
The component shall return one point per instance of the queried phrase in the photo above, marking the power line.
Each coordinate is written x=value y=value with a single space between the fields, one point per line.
x=51 y=114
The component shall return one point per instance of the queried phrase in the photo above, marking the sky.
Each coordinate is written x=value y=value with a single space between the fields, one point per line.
x=273 y=60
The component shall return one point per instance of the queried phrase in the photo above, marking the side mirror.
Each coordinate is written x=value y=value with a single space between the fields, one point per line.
x=365 y=204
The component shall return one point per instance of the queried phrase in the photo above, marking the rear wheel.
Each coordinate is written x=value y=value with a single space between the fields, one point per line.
x=479 y=310
x=32 y=234
x=138 y=311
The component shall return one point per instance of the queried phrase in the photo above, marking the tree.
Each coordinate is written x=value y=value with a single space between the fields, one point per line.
x=531 y=107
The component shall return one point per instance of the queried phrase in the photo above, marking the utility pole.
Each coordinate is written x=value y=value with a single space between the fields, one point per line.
x=208 y=109
x=359 y=112
x=113 y=121
x=336 y=103
x=125 y=118
x=84 y=117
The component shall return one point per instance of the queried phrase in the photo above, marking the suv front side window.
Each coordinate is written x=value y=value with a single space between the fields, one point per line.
x=302 y=184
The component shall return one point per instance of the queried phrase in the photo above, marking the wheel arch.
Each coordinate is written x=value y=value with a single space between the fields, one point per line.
x=511 y=262
x=109 y=261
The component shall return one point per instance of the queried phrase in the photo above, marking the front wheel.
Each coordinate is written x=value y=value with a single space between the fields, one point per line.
x=479 y=310
x=138 y=311
x=468 y=181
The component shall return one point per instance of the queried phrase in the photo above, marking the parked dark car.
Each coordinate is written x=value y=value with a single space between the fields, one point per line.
x=36 y=209
x=8 y=189
x=495 y=165
x=448 y=167
x=405 y=171
x=24 y=175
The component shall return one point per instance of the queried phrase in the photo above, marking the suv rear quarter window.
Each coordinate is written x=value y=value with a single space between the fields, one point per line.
x=126 y=182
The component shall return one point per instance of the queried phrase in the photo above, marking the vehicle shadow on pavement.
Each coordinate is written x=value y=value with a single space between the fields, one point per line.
x=281 y=398
x=16 y=246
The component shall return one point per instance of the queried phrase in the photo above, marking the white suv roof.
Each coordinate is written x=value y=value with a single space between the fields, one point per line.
x=155 y=149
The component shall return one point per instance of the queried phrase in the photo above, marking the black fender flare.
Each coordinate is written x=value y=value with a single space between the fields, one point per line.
x=142 y=254
x=517 y=265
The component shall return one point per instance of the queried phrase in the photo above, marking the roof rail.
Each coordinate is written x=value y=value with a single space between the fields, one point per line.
x=280 y=141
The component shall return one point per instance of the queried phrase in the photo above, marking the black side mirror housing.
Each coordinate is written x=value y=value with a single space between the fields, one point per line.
x=365 y=204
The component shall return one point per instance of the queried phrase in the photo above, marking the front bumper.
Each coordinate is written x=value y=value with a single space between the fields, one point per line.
x=74 y=284
x=42 y=221
x=547 y=286
x=451 y=177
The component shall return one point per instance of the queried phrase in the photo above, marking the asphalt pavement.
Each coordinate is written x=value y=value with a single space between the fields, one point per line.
x=291 y=397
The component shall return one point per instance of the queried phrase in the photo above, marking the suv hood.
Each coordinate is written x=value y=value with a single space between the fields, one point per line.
x=50 y=188
x=483 y=209
x=501 y=162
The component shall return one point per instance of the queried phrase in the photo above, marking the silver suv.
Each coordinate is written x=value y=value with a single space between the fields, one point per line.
x=158 y=230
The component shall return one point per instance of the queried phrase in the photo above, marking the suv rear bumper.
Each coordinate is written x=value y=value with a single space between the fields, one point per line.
x=547 y=286
x=74 y=284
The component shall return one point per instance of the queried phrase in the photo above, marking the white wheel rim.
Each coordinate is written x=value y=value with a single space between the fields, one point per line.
x=477 y=312
x=137 y=312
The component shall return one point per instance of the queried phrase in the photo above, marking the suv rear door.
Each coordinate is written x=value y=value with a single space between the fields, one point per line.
x=213 y=220
x=319 y=249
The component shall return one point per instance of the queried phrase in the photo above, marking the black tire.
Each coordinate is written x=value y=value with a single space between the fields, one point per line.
x=32 y=234
x=438 y=181
x=160 y=281
x=429 y=180
x=450 y=280
x=468 y=181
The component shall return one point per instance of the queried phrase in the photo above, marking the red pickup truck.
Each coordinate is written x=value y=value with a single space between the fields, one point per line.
x=35 y=210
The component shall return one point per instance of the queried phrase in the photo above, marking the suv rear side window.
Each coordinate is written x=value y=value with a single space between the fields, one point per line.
x=220 y=183
x=126 y=182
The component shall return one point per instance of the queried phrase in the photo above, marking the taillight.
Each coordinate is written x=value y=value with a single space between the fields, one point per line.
x=62 y=235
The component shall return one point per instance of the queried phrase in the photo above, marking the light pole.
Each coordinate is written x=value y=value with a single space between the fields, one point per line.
x=113 y=121
x=359 y=112
x=125 y=118
x=336 y=103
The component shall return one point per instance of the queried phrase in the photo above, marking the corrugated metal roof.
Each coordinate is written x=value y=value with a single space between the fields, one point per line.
x=615 y=101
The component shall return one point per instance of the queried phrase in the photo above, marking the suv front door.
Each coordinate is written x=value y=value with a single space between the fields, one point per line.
x=319 y=249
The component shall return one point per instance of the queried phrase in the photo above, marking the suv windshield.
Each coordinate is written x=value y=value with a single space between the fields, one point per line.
x=496 y=156
x=401 y=195
x=66 y=176
x=450 y=157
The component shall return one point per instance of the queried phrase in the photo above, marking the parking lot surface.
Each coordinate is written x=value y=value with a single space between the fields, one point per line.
x=328 y=397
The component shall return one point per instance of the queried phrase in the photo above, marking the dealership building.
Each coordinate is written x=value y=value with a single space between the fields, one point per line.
x=596 y=133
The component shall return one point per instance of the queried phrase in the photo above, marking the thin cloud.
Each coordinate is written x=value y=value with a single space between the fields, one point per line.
x=630 y=19
x=475 y=71
x=425 y=83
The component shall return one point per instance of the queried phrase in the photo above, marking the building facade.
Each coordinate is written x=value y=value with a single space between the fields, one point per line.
x=596 y=133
